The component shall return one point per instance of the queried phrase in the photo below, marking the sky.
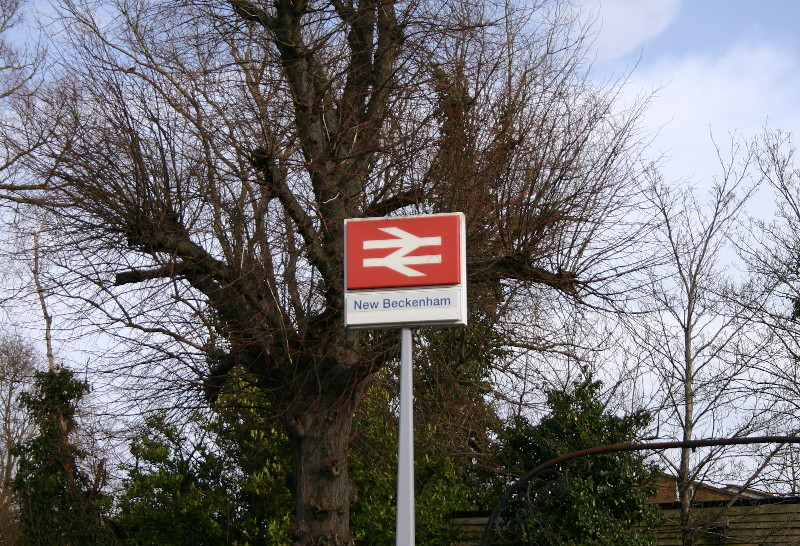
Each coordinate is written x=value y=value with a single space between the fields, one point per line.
x=716 y=67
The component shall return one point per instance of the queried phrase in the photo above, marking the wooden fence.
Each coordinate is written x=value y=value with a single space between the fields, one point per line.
x=750 y=522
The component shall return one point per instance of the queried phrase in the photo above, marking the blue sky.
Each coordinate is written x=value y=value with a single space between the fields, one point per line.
x=717 y=66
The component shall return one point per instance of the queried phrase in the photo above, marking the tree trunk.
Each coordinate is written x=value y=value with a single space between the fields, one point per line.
x=685 y=496
x=321 y=483
x=685 y=490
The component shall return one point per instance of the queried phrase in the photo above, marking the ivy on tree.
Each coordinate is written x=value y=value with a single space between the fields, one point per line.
x=59 y=503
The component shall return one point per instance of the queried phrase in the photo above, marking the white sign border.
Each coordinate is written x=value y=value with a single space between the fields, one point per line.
x=384 y=318
x=406 y=307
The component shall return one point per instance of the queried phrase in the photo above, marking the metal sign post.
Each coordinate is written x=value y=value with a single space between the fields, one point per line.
x=405 y=454
x=403 y=272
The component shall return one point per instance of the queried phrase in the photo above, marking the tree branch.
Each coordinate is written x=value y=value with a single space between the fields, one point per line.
x=140 y=275
x=250 y=12
x=517 y=268
x=393 y=203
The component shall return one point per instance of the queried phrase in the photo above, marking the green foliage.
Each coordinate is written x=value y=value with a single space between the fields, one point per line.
x=601 y=504
x=453 y=429
x=58 y=502
x=223 y=483
x=226 y=483
x=442 y=483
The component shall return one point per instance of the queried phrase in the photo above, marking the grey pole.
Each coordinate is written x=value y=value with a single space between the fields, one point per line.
x=405 y=456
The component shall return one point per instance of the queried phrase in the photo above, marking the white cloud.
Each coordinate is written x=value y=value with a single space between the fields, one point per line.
x=624 y=25
x=740 y=91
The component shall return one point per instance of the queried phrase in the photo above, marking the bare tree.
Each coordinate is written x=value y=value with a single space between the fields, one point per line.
x=21 y=64
x=17 y=364
x=16 y=69
x=699 y=338
x=771 y=250
x=206 y=157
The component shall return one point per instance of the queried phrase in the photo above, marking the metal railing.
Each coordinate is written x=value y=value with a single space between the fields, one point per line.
x=520 y=503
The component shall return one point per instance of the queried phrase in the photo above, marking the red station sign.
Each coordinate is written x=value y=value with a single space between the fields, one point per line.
x=408 y=251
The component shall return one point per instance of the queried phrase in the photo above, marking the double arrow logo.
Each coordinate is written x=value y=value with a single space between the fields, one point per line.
x=405 y=243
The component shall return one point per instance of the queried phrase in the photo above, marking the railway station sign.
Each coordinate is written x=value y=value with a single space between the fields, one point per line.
x=405 y=271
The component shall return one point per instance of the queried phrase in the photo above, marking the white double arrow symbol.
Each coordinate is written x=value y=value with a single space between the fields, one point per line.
x=405 y=243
